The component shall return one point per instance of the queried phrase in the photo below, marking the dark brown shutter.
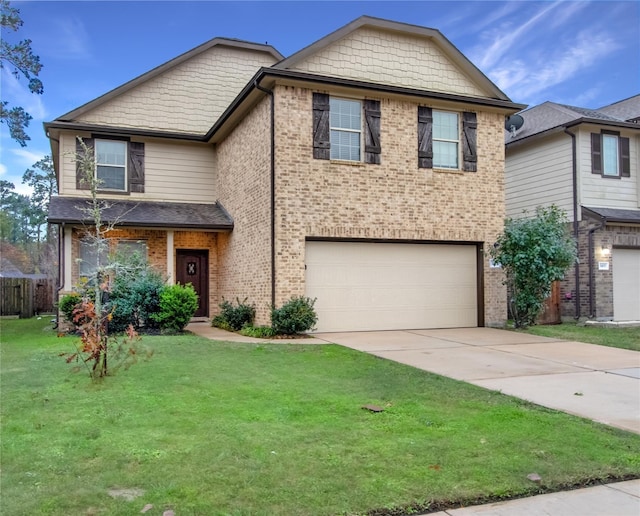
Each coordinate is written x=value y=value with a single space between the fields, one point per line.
x=425 y=137
x=81 y=183
x=625 y=160
x=469 y=151
x=372 y=131
x=596 y=153
x=136 y=167
x=321 y=138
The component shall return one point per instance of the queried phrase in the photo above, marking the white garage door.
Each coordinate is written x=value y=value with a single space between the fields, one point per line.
x=387 y=286
x=626 y=284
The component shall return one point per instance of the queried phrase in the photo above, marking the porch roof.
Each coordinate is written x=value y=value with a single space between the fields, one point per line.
x=72 y=210
x=613 y=215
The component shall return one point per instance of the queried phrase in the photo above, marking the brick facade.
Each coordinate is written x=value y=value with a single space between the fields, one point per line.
x=599 y=304
x=395 y=200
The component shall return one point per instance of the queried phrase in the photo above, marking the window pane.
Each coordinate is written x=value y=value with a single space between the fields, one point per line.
x=133 y=250
x=345 y=145
x=111 y=178
x=445 y=125
x=610 y=155
x=445 y=154
x=89 y=258
x=345 y=114
x=111 y=153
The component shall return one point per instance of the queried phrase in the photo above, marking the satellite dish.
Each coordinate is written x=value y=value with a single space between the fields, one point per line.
x=513 y=123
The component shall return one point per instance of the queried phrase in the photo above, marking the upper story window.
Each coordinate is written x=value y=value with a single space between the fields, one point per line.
x=111 y=164
x=119 y=165
x=610 y=154
x=446 y=139
x=345 y=129
x=442 y=142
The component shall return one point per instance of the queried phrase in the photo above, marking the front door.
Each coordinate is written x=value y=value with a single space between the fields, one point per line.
x=192 y=266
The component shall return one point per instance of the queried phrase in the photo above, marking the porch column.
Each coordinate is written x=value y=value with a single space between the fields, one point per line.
x=170 y=261
x=68 y=257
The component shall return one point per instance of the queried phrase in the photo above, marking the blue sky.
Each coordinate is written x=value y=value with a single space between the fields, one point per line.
x=580 y=53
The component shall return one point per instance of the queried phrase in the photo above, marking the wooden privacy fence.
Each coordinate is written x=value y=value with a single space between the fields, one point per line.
x=26 y=297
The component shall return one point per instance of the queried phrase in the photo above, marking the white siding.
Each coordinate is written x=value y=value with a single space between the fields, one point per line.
x=178 y=172
x=539 y=175
x=606 y=192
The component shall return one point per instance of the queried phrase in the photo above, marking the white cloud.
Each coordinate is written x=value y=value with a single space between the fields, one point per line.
x=66 y=39
x=27 y=157
x=16 y=92
x=3 y=169
x=507 y=37
x=528 y=77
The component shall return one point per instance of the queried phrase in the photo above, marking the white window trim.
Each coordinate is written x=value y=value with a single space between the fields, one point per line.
x=458 y=142
x=124 y=167
x=346 y=130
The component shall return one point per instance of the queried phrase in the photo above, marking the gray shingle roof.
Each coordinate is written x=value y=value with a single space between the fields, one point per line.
x=550 y=115
x=144 y=214
x=628 y=109
x=614 y=214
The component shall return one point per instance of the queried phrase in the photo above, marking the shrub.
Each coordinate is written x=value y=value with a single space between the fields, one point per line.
x=68 y=303
x=178 y=303
x=260 y=332
x=234 y=318
x=296 y=316
x=133 y=299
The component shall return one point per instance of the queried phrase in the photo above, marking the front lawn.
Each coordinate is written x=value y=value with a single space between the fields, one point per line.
x=626 y=338
x=210 y=428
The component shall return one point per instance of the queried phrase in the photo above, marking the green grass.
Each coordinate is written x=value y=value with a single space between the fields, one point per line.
x=212 y=428
x=626 y=338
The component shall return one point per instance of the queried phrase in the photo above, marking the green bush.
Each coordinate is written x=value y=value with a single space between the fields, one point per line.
x=133 y=299
x=296 y=316
x=260 y=332
x=178 y=303
x=234 y=318
x=67 y=304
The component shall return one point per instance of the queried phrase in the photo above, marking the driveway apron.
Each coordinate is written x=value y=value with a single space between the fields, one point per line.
x=595 y=382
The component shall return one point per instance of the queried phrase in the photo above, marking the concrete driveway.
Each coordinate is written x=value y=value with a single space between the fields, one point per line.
x=595 y=382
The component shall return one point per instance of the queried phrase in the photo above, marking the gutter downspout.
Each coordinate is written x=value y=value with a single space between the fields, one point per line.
x=592 y=276
x=273 y=192
x=576 y=225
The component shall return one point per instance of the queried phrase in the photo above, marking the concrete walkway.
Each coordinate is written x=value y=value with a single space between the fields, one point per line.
x=595 y=382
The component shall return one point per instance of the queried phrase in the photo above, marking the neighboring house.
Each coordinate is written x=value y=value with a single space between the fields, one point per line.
x=366 y=170
x=587 y=162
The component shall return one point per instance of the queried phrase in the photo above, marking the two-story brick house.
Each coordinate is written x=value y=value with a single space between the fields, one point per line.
x=366 y=171
x=587 y=162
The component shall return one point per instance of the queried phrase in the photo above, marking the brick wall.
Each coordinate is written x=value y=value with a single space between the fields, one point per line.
x=243 y=186
x=602 y=306
x=394 y=200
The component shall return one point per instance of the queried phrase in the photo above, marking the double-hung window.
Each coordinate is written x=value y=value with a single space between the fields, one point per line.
x=111 y=164
x=346 y=129
x=610 y=154
x=446 y=139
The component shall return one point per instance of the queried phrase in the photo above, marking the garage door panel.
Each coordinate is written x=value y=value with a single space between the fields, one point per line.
x=371 y=286
x=626 y=284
